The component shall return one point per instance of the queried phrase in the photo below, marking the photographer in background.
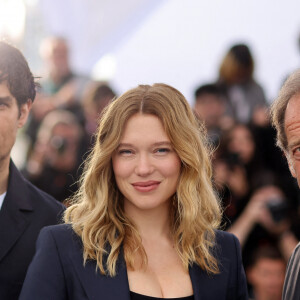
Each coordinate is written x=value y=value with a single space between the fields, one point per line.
x=57 y=154
x=237 y=165
x=257 y=208
x=265 y=220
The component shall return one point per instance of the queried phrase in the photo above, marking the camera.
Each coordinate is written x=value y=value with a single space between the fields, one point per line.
x=59 y=144
x=278 y=208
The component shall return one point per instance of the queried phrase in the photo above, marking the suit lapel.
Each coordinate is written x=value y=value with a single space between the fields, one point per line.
x=13 y=221
x=98 y=286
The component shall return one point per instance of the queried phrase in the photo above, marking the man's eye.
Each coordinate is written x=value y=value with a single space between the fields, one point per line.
x=296 y=152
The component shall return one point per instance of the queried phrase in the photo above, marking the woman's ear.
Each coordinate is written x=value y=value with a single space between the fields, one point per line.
x=24 y=112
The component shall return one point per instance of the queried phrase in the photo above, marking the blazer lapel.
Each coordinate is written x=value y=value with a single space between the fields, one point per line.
x=207 y=286
x=13 y=221
x=198 y=281
x=98 y=286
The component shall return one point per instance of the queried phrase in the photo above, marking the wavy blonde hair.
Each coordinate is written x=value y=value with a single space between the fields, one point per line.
x=97 y=214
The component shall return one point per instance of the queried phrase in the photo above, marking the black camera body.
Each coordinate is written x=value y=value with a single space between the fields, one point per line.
x=278 y=208
x=59 y=143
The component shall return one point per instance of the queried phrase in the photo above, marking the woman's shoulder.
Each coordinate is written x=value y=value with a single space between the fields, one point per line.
x=61 y=233
x=226 y=242
x=224 y=236
x=58 y=229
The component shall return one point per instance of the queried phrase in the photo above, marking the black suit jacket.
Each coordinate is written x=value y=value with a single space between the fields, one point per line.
x=57 y=272
x=25 y=210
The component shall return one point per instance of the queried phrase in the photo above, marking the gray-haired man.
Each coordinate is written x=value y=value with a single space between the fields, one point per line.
x=285 y=113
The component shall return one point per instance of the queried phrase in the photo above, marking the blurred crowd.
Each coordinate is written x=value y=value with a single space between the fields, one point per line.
x=260 y=198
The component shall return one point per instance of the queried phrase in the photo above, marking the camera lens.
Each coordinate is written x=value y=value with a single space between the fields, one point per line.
x=278 y=208
x=58 y=143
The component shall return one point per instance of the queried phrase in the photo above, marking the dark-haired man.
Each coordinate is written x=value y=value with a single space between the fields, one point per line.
x=266 y=273
x=210 y=107
x=286 y=118
x=24 y=209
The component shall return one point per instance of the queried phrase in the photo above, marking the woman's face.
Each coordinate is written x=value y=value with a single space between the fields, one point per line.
x=241 y=142
x=145 y=164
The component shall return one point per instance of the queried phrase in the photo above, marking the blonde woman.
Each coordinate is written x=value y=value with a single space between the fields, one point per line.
x=144 y=222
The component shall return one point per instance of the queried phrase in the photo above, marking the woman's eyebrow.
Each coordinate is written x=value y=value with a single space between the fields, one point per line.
x=125 y=145
x=154 y=144
x=162 y=143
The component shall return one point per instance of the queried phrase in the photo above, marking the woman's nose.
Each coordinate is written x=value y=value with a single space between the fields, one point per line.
x=144 y=165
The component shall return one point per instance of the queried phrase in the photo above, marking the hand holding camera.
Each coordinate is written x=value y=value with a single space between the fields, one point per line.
x=269 y=208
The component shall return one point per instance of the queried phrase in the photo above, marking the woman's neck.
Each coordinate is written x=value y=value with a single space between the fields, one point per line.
x=151 y=224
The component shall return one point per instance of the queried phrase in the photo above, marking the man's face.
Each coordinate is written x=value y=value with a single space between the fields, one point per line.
x=209 y=108
x=11 y=118
x=267 y=277
x=292 y=131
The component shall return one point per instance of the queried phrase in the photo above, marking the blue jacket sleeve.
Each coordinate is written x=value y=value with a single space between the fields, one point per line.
x=45 y=277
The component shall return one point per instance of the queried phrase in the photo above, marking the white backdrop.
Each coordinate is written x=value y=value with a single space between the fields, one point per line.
x=174 y=41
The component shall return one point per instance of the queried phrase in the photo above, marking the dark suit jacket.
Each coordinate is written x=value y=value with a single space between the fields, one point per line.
x=291 y=288
x=57 y=272
x=25 y=210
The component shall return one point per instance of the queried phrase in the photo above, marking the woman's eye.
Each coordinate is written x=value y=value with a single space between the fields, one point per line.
x=125 y=151
x=162 y=150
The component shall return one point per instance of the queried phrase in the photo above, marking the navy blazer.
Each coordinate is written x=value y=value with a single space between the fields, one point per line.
x=25 y=210
x=57 y=272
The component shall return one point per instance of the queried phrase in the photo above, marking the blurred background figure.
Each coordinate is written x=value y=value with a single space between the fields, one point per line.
x=98 y=95
x=245 y=97
x=53 y=164
x=265 y=220
x=209 y=107
x=259 y=207
x=60 y=86
x=266 y=273
x=238 y=168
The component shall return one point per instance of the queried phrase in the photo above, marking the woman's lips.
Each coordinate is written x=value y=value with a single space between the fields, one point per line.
x=146 y=186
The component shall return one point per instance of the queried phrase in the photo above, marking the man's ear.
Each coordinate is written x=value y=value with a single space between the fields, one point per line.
x=290 y=163
x=24 y=112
